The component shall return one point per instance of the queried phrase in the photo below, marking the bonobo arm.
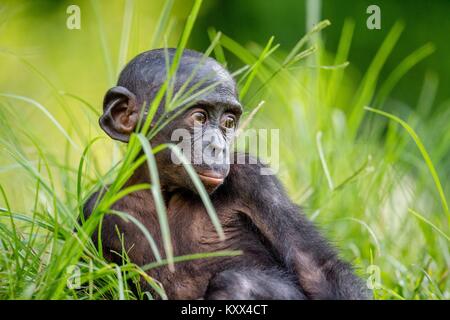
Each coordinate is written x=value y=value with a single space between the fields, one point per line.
x=110 y=240
x=294 y=239
x=253 y=284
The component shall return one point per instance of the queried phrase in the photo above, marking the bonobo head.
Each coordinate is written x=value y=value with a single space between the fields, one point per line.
x=203 y=127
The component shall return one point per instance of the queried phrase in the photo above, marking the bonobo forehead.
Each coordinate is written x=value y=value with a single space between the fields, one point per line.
x=145 y=74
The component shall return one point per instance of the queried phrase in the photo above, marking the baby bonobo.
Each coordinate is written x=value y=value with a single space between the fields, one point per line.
x=283 y=254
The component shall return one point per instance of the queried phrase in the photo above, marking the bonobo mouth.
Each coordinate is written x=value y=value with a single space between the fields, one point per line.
x=211 y=178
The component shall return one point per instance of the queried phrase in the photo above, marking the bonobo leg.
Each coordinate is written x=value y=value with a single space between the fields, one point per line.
x=253 y=284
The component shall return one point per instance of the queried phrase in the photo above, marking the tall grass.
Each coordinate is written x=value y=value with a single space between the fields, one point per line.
x=367 y=169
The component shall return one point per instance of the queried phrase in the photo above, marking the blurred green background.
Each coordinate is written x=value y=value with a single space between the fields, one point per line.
x=425 y=21
x=37 y=29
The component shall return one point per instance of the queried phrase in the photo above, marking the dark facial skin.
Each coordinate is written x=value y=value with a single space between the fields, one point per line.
x=211 y=127
x=284 y=255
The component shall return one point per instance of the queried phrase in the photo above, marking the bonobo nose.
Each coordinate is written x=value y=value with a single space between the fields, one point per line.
x=215 y=150
x=217 y=147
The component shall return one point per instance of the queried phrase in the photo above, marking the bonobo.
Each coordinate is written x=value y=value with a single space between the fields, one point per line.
x=283 y=254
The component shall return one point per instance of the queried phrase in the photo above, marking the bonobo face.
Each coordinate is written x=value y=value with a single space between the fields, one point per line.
x=204 y=133
x=203 y=129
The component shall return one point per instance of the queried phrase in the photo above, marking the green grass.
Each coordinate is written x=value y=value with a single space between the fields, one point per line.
x=371 y=172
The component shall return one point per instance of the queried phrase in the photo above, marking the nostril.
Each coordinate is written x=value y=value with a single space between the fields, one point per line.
x=217 y=146
x=217 y=149
x=216 y=152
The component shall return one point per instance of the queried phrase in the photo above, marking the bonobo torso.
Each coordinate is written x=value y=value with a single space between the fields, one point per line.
x=191 y=232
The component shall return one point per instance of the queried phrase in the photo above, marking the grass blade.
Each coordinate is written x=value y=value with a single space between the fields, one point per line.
x=424 y=153
x=125 y=37
x=423 y=219
x=46 y=113
x=158 y=198
x=201 y=191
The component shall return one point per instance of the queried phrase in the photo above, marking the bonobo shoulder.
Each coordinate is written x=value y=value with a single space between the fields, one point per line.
x=252 y=178
x=90 y=204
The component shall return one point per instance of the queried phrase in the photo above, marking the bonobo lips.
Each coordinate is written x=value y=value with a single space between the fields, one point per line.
x=211 y=178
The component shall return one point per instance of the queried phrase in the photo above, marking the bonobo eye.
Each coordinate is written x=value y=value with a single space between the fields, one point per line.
x=199 y=117
x=229 y=122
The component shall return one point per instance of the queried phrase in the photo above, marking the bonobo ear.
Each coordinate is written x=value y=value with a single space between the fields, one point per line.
x=120 y=113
